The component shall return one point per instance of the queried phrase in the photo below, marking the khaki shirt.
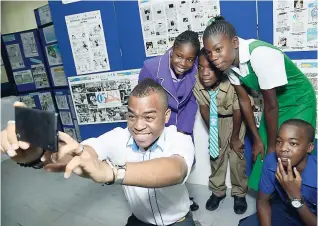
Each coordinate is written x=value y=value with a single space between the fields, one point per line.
x=227 y=103
x=227 y=100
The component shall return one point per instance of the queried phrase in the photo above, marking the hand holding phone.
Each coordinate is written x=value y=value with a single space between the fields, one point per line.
x=37 y=127
x=18 y=150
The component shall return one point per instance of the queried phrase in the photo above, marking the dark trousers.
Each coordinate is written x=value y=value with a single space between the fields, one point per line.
x=134 y=221
x=281 y=215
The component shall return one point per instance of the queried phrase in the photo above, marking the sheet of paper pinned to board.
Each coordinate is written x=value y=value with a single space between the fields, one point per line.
x=87 y=38
x=310 y=68
x=163 y=20
x=103 y=97
x=15 y=56
x=295 y=25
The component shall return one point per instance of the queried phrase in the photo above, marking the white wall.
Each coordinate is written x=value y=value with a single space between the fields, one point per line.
x=17 y=16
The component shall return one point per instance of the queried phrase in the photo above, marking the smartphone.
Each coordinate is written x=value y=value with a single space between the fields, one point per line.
x=37 y=127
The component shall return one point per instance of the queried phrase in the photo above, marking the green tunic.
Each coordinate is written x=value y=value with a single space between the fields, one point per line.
x=296 y=99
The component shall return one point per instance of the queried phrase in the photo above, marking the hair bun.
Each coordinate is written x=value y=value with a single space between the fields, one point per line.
x=219 y=17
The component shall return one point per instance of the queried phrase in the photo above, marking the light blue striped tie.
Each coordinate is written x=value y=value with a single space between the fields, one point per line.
x=214 y=134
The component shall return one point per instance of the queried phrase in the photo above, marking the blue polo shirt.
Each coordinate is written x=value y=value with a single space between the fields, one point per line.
x=269 y=184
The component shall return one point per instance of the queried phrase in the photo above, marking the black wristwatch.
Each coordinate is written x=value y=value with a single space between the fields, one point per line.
x=35 y=164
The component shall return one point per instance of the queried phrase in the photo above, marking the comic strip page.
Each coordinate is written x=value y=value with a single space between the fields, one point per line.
x=88 y=42
x=162 y=21
x=102 y=98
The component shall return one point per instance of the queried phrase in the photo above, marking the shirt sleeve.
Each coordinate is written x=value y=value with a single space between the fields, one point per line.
x=269 y=67
x=236 y=104
x=144 y=73
x=102 y=145
x=266 y=183
x=234 y=80
x=196 y=92
x=183 y=146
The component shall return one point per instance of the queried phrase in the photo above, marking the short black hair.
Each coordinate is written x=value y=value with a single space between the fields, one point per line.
x=219 y=26
x=147 y=87
x=188 y=37
x=310 y=131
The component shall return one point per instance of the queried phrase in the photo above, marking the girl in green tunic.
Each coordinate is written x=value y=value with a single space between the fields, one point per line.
x=287 y=92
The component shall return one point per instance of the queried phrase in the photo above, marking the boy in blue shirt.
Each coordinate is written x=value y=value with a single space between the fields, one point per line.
x=288 y=187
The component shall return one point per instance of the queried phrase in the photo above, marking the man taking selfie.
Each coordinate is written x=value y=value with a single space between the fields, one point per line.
x=151 y=161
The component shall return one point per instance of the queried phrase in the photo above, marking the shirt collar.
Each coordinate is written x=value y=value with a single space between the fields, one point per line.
x=244 y=50
x=308 y=176
x=159 y=143
x=223 y=86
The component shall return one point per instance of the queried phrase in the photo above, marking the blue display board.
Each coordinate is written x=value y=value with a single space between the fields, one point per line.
x=124 y=38
x=23 y=54
x=109 y=20
x=130 y=31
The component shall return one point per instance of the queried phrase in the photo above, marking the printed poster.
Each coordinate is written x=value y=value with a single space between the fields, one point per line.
x=88 y=42
x=53 y=54
x=163 y=20
x=28 y=101
x=46 y=101
x=49 y=34
x=103 y=97
x=295 y=25
x=66 y=118
x=61 y=102
x=29 y=44
x=39 y=75
x=15 y=57
x=23 y=77
x=45 y=15
x=8 y=38
x=310 y=69
x=58 y=76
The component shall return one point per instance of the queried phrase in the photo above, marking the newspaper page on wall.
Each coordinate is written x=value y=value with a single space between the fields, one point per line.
x=310 y=69
x=103 y=97
x=39 y=75
x=86 y=34
x=29 y=44
x=162 y=21
x=45 y=14
x=15 y=56
x=295 y=25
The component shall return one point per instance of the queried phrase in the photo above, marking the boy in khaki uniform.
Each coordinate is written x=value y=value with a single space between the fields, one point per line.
x=231 y=132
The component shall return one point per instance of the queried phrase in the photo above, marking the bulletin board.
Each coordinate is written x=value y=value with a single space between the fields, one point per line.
x=110 y=26
x=26 y=60
x=123 y=34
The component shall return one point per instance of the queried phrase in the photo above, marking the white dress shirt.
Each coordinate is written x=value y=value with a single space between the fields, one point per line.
x=267 y=63
x=158 y=206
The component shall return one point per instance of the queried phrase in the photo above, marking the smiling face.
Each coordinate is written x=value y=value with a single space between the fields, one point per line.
x=292 y=143
x=182 y=58
x=147 y=117
x=221 y=50
x=208 y=77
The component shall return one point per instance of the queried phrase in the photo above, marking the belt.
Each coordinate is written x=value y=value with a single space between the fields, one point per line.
x=224 y=116
x=183 y=218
